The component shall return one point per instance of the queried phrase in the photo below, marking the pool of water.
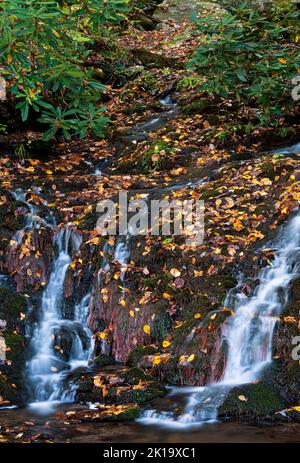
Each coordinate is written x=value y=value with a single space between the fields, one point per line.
x=17 y=425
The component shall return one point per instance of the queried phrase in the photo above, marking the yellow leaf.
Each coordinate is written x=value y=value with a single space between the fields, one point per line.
x=9 y=58
x=198 y=273
x=49 y=172
x=230 y=202
x=238 y=226
x=156 y=360
x=131 y=313
x=191 y=358
x=102 y=335
x=175 y=272
x=197 y=315
x=214 y=316
x=281 y=60
x=166 y=344
x=56 y=33
x=243 y=398
x=147 y=329
x=166 y=296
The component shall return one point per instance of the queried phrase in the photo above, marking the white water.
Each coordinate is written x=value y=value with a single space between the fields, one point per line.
x=248 y=334
x=32 y=218
x=47 y=369
x=122 y=254
x=294 y=149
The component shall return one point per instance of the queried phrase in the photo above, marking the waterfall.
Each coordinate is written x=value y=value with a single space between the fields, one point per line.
x=32 y=218
x=248 y=334
x=122 y=254
x=51 y=362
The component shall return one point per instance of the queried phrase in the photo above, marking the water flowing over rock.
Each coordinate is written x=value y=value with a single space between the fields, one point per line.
x=58 y=344
x=248 y=334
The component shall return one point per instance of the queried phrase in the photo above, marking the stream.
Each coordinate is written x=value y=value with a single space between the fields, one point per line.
x=248 y=336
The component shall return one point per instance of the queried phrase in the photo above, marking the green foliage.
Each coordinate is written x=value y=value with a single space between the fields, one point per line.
x=42 y=50
x=189 y=83
x=252 y=58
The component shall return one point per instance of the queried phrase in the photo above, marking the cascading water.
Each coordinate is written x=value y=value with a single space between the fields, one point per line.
x=294 y=149
x=50 y=363
x=248 y=334
x=32 y=218
x=122 y=254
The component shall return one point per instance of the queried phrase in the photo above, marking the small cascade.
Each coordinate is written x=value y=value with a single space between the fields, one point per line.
x=294 y=149
x=32 y=218
x=248 y=334
x=59 y=345
x=122 y=254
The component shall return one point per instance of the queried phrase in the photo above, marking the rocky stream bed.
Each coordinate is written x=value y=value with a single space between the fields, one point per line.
x=130 y=317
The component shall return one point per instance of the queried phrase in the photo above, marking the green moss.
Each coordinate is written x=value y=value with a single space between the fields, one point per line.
x=11 y=304
x=261 y=401
x=15 y=343
x=147 y=82
x=139 y=352
x=135 y=375
x=143 y=396
x=196 y=107
x=130 y=414
x=103 y=361
x=7 y=391
x=162 y=325
x=152 y=282
x=294 y=369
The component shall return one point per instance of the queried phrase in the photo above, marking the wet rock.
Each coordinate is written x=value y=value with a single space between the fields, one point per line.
x=105 y=413
x=12 y=371
x=118 y=386
x=138 y=353
x=251 y=402
x=284 y=373
x=103 y=361
x=62 y=343
x=150 y=59
x=146 y=22
x=13 y=307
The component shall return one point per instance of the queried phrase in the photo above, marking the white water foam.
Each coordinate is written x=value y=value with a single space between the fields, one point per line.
x=46 y=369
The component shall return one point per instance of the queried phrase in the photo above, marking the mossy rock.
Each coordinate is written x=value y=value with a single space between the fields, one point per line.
x=285 y=379
x=262 y=401
x=148 y=58
x=113 y=413
x=150 y=160
x=103 y=361
x=15 y=343
x=138 y=353
x=7 y=390
x=196 y=107
x=11 y=304
x=138 y=396
x=12 y=387
x=135 y=375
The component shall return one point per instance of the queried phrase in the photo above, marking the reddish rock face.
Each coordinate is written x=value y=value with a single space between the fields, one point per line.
x=30 y=263
x=123 y=332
